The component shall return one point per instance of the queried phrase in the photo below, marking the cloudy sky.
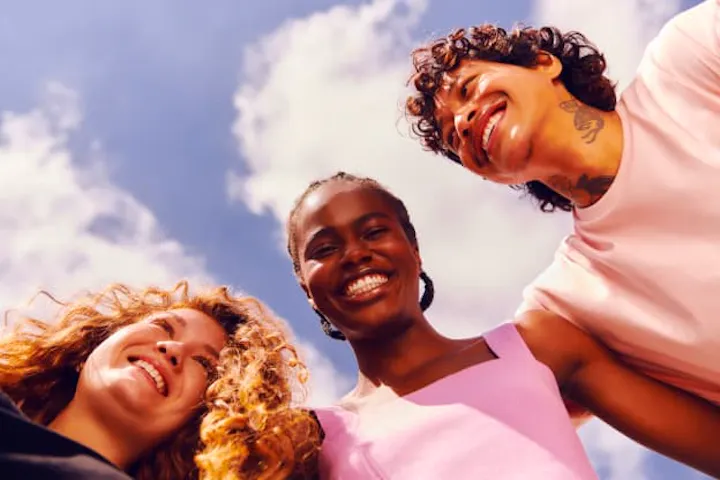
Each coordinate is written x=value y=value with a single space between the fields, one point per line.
x=146 y=142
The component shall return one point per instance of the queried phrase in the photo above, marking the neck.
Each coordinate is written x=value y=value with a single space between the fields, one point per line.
x=582 y=165
x=391 y=360
x=80 y=425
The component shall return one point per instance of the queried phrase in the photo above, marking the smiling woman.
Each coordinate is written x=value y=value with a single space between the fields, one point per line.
x=428 y=406
x=120 y=383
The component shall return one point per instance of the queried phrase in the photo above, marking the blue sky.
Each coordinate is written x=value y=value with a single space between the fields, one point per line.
x=147 y=141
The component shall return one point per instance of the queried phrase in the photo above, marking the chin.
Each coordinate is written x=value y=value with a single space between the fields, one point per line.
x=391 y=326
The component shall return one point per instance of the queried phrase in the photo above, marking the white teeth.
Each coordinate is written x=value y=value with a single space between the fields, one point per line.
x=489 y=128
x=153 y=372
x=365 y=284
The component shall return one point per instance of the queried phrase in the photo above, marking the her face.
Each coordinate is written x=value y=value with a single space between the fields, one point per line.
x=148 y=378
x=357 y=265
x=496 y=117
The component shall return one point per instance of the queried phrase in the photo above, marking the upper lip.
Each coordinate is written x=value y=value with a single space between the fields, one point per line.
x=359 y=274
x=161 y=367
x=482 y=121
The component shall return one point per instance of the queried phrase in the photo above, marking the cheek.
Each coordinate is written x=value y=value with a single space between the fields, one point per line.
x=317 y=279
x=106 y=354
x=197 y=386
x=194 y=388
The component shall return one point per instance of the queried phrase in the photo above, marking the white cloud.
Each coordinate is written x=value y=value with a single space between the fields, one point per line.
x=67 y=228
x=620 y=28
x=323 y=94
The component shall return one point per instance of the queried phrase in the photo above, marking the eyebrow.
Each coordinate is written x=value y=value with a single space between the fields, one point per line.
x=211 y=351
x=358 y=221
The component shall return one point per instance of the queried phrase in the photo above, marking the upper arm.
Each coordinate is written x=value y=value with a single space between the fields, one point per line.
x=654 y=414
x=663 y=418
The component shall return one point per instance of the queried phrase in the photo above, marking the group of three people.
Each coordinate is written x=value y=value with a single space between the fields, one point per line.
x=622 y=325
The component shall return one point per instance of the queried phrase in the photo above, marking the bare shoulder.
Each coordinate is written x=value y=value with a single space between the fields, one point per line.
x=556 y=342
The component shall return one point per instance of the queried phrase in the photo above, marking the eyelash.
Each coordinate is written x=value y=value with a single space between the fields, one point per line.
x=209 y=368
x=374 y=231
x=327 y=249
x=165 y=325
x=322 y=251
x=464 y=89
x=205 y=363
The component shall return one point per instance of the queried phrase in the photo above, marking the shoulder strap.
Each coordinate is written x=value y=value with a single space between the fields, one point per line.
x=505 y=341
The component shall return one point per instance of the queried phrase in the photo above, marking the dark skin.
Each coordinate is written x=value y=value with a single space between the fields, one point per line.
x=544 y=133
x=344 y=230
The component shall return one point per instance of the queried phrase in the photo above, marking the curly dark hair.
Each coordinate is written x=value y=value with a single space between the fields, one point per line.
x=582 y=74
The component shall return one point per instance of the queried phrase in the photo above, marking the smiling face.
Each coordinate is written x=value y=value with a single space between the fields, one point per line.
x=498 y=118
x=150 y=377
x=357 y=265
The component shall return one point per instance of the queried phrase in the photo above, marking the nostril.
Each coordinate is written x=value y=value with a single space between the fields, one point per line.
x=471 y=115
x=162 y=349
x=465 y=132
x=174 y=361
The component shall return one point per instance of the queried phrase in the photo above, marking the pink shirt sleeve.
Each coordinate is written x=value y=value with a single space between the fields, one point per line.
x=684 y=58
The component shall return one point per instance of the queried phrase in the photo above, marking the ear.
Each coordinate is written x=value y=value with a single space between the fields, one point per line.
x=307 y=294
x=548 y=64
x=418 y=258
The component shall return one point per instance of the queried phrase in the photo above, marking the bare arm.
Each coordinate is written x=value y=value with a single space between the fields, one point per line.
x=665 y=419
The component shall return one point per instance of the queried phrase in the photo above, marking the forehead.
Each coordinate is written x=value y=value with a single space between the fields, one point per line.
x=445 y=98
x=198 y=326
x=338 y=204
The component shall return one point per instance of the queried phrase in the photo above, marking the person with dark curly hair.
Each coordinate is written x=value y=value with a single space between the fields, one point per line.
x=153 y=384
x=488 y=407
x=532 y=108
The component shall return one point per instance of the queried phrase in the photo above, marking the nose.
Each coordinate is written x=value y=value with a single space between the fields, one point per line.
x=356 y=252
x=463 y=120
x=173 y=352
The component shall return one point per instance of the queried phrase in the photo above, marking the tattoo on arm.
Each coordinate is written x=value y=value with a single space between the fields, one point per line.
x=586 y=120
x=584 y=191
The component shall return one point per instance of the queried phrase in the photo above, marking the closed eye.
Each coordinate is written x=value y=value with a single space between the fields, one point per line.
x=165 y=325
x=465 y=88
x=375 y=232
x=210 y=369
x=322 y=251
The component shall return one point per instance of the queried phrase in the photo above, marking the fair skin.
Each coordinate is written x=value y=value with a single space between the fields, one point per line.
x=543 y=132
x=121 y=408
x=345 y=232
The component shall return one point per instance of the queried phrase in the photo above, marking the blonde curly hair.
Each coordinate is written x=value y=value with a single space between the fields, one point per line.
x=248 y=426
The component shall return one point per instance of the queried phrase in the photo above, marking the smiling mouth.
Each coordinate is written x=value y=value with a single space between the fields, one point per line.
x=490 y=129
x=152 y=373
x=487 y=129
x=365 y=285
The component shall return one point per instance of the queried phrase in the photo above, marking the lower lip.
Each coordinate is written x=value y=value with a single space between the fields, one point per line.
x=149 y=378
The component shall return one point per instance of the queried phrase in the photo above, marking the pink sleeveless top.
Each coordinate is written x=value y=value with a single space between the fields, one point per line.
x=501 y=419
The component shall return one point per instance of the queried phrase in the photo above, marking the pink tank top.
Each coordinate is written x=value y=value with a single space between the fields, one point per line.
x=501 y=419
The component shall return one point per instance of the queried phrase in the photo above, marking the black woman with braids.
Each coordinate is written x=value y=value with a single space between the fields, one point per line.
x=533 y=108
x=427 y=406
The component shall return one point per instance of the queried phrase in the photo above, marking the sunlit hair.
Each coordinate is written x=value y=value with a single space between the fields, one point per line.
x=247 y=430
x=583 y=74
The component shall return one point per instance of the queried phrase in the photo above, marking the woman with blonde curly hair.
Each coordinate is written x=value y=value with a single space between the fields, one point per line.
x=118 y=386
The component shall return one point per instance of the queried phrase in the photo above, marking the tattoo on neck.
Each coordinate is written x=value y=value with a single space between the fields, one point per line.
x=584 y=191
x=586 y=120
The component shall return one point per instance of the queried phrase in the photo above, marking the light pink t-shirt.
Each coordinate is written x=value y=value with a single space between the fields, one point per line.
x=501 y=419
x=642 y=269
